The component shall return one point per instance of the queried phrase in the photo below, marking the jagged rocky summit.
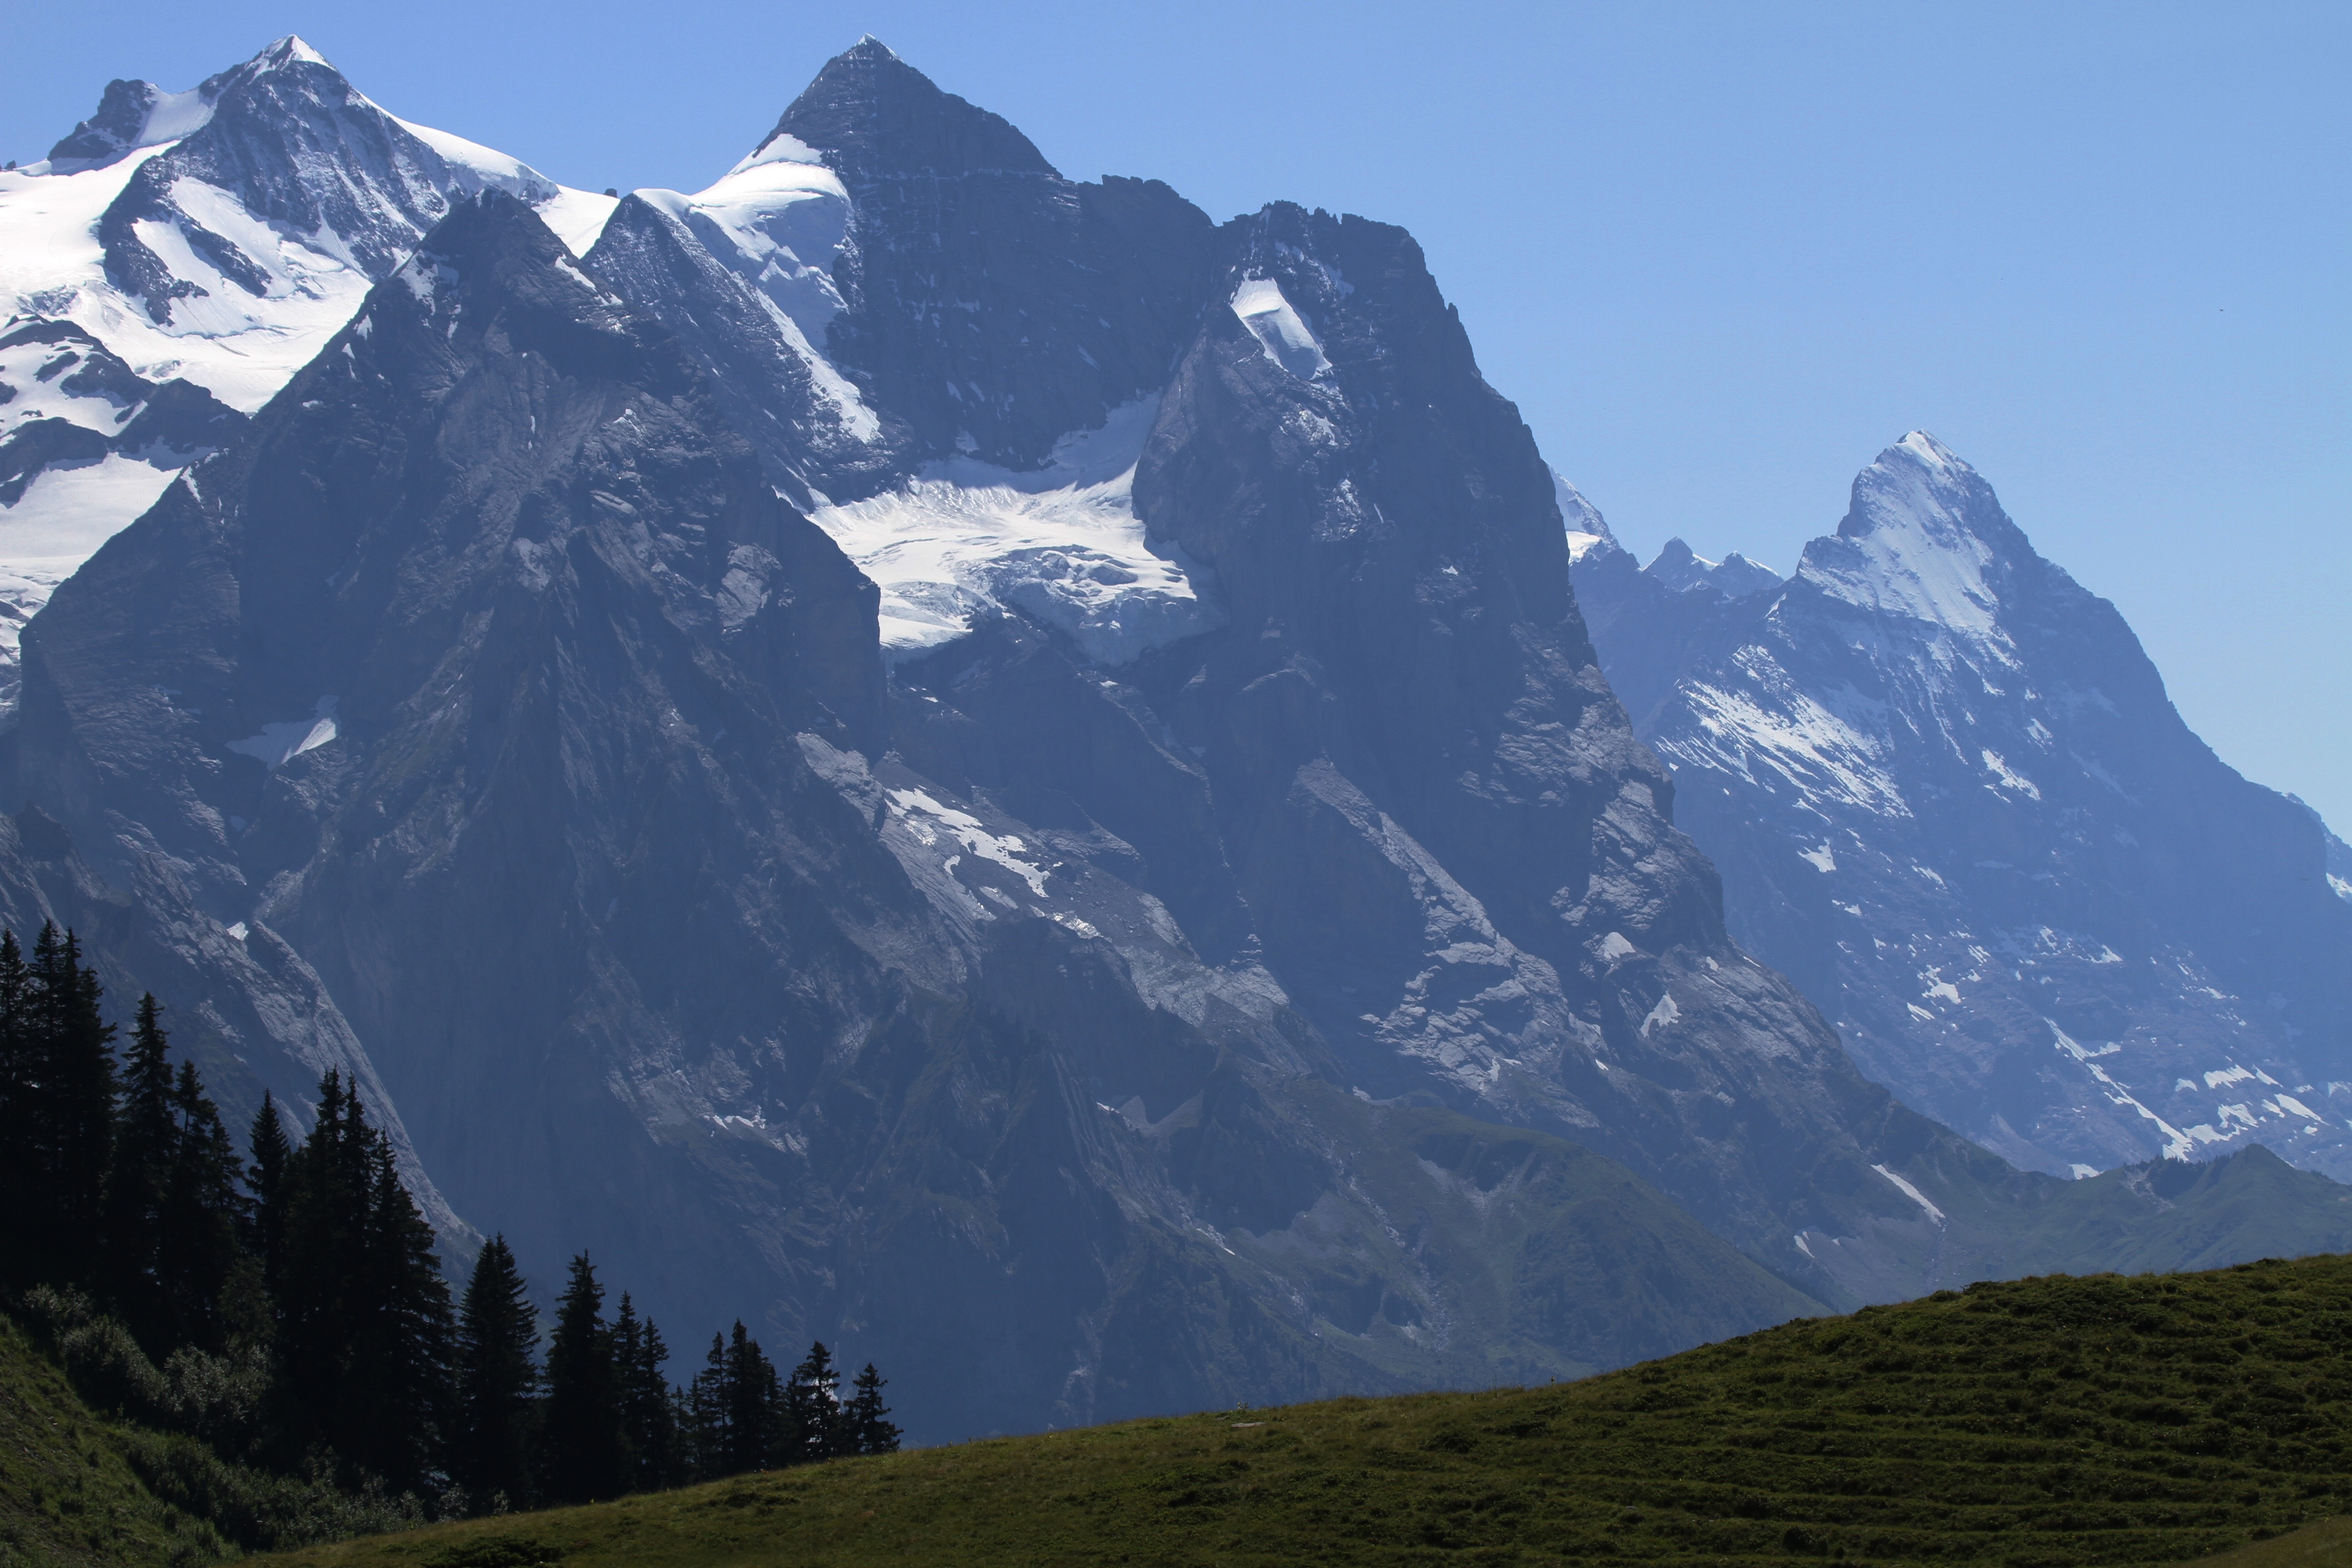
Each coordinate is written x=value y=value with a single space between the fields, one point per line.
x=1950 y=799
x=173 y=261
x=1054 y=823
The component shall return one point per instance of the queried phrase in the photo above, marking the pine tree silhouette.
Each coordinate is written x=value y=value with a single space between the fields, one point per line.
x=62 y=1122
x=363 y=1316
x=204 y=1218
x=812 y=1416
x=648 y=1418
x=584 y=1455
x=867 y=1418
x=138 y=1179
x=498 y=1382
x=267 y=1180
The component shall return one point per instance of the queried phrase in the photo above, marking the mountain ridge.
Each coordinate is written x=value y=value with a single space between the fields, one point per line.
x=1079 y=1017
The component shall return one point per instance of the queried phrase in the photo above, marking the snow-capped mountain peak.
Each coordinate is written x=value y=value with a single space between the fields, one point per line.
x=1683 y=569
x=1587 y=528
x=175 y=261
x=1924 y=539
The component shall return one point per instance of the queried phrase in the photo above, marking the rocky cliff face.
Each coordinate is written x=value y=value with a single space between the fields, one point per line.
x=1137 y=896
x=1950 y=799
x=173 y=262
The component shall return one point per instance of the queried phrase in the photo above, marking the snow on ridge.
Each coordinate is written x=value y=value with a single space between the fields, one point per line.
x=1280 y=331
x=1914 y=1193
x=781 y=147
x=1907 y=549
x=965 y=542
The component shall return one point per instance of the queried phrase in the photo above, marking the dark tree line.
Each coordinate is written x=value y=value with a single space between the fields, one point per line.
x=119 y=1179
x=602 y=1419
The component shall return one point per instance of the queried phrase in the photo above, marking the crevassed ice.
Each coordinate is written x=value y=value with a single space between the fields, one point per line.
x=965 y=541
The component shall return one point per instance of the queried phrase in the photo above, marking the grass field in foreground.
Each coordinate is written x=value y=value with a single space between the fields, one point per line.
x=2056 y=1422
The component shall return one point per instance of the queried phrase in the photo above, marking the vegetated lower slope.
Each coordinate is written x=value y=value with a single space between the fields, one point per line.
x=2322 y=1546
x=2052 y=1421
x=69 y=1494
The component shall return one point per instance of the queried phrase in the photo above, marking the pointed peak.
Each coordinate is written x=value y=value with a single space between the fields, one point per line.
x=1921 y=448
x=494 y=242
x=1587 y=529
x=1676 y=553
x=289 y=50
x=868 y=112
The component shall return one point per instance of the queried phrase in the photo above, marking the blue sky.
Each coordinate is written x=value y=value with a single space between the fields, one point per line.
x=1720 y=255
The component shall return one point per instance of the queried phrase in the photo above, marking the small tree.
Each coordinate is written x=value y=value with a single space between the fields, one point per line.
x=813 y=1422
x=867 y=1418
x=648 y=1419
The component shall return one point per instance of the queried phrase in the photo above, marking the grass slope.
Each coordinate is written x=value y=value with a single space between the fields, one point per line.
x=2327 y=1544
x=2056 y=1421
x=67 y=1494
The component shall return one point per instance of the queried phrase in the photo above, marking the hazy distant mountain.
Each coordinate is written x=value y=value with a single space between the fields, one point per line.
x=1950 y=799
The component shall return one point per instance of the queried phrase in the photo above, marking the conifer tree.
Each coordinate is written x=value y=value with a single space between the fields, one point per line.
x=203 y=1217
x=67 y=1125
x=403 y=1348
x=737 y=1405
x=867 y=1419
x=138 y=1181
x=363 y=1316
x=19 y=1087
x=812 y=1416
x=648 y=1420
x=497 y=1382
x=583 y=1457
x=267 y=1178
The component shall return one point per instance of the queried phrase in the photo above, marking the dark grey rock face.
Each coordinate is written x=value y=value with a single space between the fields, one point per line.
x=654 y=259
x=991 y=304
x=1322 y=1002
x=492 y=657
x=1950 y=799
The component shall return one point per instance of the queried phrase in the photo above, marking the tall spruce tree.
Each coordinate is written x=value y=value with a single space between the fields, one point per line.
x=403 y=1348
x=648 y=1417
x=363 y=1319
x=266 y=1179
x=205 y=1217
x=583 y=1457
x=870 y=1428
x=65 y=1115
x=498 y=1382
x=19 y=1091
x=737 y=1407
x=812 y=1425
x=139 y=1182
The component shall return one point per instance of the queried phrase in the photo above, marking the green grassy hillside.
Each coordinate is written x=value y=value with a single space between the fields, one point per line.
x=2060 y=1422
x=2327 y=1544
x=68 y=1495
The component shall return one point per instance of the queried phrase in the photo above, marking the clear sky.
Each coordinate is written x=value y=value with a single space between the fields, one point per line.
x=1720 y=255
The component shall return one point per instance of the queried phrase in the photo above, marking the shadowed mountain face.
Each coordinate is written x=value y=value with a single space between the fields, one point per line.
x=1079 y=1005
x=1950 y=799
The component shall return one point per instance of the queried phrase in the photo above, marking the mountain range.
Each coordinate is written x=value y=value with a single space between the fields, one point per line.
x=972 y=765
x=1950 y=799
